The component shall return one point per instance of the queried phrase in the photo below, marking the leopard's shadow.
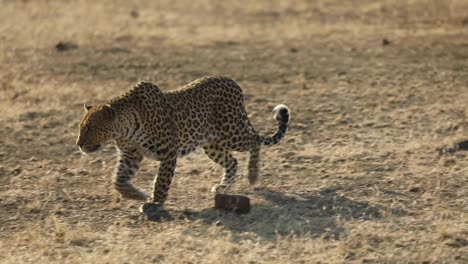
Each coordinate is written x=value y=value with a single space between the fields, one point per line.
x=284 y=214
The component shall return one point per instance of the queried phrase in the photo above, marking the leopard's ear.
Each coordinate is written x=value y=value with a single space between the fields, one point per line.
x=109 y=112
x=87 y=107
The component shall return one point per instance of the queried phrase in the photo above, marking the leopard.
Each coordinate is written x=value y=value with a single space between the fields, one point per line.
x=145 y=122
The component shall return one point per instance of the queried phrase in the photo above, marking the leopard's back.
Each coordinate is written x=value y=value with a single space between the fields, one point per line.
x=209 y=109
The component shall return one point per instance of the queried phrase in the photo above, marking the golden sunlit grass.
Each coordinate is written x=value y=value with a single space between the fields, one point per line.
x=375 y=88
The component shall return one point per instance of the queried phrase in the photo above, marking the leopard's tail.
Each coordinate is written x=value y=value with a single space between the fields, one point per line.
x=282 y=116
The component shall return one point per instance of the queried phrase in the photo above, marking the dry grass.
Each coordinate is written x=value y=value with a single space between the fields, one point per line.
x=357 y=179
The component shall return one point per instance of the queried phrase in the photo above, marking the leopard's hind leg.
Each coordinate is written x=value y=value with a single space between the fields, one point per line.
x=224 y=158
x=254 y=164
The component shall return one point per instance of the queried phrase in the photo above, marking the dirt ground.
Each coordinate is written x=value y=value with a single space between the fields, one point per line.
x=375 y=88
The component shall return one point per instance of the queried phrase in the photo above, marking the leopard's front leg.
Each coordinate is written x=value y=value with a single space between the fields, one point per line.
x=128 y=165
x=163 y=180
x=162 y=183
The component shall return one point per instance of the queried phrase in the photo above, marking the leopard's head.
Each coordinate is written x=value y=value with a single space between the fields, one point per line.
x=97 y=127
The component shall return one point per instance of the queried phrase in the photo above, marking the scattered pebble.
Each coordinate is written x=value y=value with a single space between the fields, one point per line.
x=65 y=46
x=134 y=14
x=414 y=189
x=465 y=21
x=385 y=42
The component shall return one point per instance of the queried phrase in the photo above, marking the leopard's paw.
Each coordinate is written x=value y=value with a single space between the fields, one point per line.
x=155 y=212
x=130 y=192
x=219 y=188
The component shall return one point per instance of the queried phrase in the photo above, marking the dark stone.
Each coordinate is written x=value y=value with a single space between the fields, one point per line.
x=233 y=203
x=385 y=42
x=65 y=46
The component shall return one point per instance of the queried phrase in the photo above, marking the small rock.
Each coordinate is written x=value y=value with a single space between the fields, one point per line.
x=16 y=171
x=233 y=203
x=77 y=242
x=134 y=14
x=464 y=21
x=385 y=42
x=414 y=189
x=65 y=46
x=293 y=50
